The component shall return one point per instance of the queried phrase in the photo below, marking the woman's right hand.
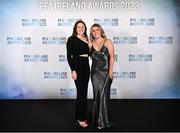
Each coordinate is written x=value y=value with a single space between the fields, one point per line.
x=74 y=75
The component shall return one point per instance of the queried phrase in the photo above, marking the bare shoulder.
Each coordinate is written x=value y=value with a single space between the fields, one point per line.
x=108 y=43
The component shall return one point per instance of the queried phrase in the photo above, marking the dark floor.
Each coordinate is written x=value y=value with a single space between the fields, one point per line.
x=57 y=115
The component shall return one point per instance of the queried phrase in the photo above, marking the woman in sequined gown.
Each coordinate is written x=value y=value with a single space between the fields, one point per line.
x=102 y=54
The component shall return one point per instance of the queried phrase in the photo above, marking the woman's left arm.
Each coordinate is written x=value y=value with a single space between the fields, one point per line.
x=110 y=47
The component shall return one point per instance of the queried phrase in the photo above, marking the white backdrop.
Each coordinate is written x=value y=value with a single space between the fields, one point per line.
x=33 y=63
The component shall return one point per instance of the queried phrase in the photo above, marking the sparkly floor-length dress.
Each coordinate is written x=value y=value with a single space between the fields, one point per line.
x=101 y=86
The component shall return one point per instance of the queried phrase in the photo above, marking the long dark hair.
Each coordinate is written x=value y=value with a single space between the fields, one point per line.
x=75 y=27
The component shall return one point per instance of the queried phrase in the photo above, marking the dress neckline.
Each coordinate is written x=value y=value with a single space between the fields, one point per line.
x=81 y=40
x=99 y=49
x=101 y=46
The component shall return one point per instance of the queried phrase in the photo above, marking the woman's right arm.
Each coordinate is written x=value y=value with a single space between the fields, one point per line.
x=70 y=58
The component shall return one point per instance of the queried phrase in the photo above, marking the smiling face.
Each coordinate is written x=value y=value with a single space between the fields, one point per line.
x=96 y=32
x=80 y=29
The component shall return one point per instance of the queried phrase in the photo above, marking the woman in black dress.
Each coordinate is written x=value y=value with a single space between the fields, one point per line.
x=77 y=56
x=102 y=54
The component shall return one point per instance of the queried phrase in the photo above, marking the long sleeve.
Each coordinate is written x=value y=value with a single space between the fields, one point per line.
x=70 y=54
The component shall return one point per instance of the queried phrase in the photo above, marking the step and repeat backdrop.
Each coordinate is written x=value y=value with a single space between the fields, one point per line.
x=33 y=36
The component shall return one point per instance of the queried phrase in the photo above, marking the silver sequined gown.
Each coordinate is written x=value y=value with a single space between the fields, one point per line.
x=101 y=86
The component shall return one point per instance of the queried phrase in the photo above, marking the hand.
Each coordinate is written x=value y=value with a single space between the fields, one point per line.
x=111 y=75
x=74 y=75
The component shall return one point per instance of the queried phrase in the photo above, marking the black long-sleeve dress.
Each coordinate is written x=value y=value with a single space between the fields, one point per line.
x=75 y=48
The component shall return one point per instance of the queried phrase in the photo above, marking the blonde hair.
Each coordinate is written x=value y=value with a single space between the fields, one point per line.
x=103 y=35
